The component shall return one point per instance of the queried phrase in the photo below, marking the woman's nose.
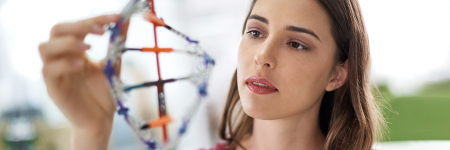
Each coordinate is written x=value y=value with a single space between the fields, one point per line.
x=265 y=57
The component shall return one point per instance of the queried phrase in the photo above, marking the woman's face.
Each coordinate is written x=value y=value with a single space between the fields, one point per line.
x=285 y=60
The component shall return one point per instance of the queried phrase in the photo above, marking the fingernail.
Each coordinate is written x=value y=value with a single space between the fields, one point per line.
x=98 y=29
x=78 y=63
x=84 y=46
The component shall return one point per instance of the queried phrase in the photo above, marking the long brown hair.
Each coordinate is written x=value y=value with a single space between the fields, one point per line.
x=349 y=116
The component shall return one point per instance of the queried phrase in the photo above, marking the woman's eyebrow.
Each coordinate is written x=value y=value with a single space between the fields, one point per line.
x=288 y=28
x=302 y=30
x=260 y=18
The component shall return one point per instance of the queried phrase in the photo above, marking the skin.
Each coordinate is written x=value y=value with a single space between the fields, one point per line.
x=78 y=85
x=301 y=66
x=286 y=119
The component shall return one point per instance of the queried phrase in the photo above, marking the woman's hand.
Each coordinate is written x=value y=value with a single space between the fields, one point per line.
x=78 y=85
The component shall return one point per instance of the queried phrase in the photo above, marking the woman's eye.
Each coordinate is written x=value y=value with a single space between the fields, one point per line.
x=297 y=46
x=255 y=34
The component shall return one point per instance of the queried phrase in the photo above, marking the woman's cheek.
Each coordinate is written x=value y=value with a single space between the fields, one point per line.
x=246 y=54
x=241 y=54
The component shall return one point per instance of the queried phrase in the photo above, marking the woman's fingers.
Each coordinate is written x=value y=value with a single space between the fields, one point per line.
x=83 y=27
x=62 y=55
x=60 y=67
x=64 y=52
x=67 y=45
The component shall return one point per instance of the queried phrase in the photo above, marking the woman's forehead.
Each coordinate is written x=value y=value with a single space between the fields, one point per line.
x=291 y=8
x=302 y=13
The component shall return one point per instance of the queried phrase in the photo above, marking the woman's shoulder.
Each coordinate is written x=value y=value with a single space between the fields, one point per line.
x=219 y=146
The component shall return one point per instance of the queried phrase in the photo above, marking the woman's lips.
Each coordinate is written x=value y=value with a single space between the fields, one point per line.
x=260 y=85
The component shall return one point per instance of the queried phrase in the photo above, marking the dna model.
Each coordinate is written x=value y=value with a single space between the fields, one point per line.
x=118 y=90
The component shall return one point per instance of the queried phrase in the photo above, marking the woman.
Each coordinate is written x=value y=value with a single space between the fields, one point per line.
x=301 y=80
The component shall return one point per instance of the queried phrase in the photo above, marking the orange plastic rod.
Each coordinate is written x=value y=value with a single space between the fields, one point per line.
x=155 y=20
x=157 y=49
x=160 y=122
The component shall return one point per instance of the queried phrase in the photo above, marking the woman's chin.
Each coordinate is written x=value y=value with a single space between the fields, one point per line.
x=259 y=111
x=259 y=106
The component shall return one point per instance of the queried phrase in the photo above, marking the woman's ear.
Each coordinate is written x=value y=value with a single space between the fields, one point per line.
x=339 y=77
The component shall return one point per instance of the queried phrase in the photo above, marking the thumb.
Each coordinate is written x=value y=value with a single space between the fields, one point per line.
x=124 y=28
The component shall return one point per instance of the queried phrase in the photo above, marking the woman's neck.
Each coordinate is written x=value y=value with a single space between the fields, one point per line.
x=299 y=132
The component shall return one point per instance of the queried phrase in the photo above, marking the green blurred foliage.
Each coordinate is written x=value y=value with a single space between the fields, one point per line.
x=424 y=115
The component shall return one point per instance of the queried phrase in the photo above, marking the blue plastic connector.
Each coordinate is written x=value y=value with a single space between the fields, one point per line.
x=202 y=89
x=208 y=59
x=109 y=69
x=183 y=128
x=151 y=145
x=115 y=31
x=123 y=111
x=191 y=40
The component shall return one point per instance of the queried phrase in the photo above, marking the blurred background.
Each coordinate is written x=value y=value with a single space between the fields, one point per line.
x=410 y=47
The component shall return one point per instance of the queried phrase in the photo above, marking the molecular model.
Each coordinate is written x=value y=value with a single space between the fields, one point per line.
x=118 y=90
